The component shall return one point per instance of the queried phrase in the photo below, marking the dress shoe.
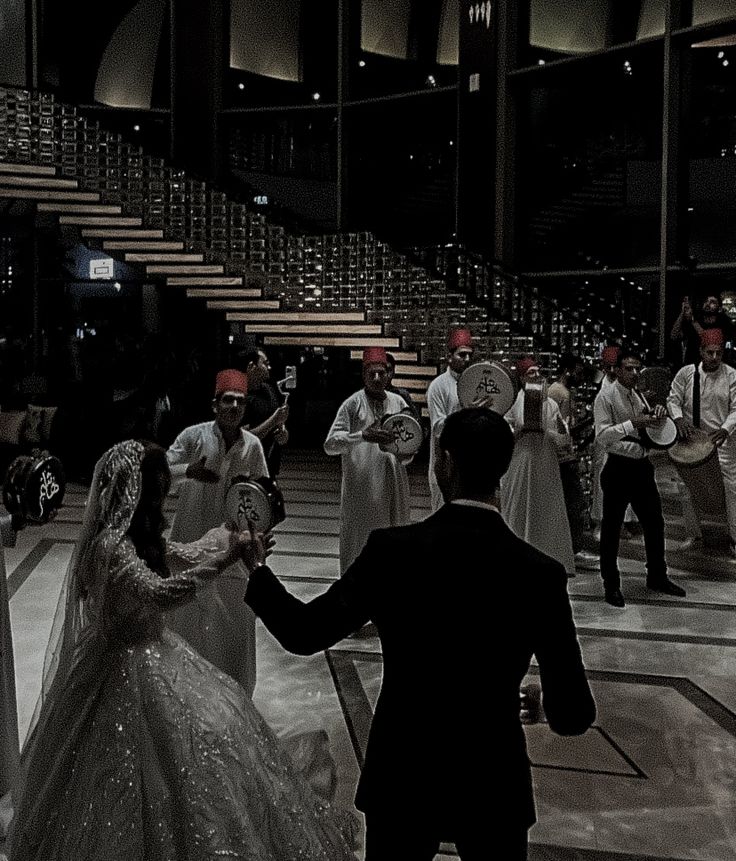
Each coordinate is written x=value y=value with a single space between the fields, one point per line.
x=614 y=598
x=667 y=587
x=587 y=561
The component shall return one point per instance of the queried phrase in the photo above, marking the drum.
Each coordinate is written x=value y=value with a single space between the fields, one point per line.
x=535 y=397
x=696 y=460
x=655 y=385
x=407 y=431
x=256 y=502
x=34 y=487
x=663 y=435
x=487 y=380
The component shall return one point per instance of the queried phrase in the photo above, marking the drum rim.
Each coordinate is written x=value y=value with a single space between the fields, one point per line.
x=712 y=450
x=413 y=419
x=514 y=389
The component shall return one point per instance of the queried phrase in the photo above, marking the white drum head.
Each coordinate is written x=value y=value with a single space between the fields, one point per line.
x=246 y=503
x=487 y=380
x=662 y=435
x=407 y=433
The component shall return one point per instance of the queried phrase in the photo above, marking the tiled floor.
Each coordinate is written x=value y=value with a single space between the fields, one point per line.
x=655 y=778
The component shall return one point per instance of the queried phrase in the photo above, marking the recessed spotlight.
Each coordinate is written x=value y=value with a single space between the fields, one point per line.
x=316 y=97
x=241 y=86
x=136 y=128
x=361 y=63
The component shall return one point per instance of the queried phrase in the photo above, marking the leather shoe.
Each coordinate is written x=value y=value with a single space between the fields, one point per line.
x=667 y=587
x=615 y=598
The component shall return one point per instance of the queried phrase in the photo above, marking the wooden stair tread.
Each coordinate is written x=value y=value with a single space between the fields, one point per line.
x=37 y=169
x=256 y=302
x=174 y=270
x=50 y=182
x=153 y=257
x=123 y=233
x=217 y=293
x=64 y=197
x=410 y=384
x=82 y=208
x=214 y=281
x=142 y=245
x=250 y=316
x=101 y=221
x=336 y=341
x=416 y=370
x=317 y=329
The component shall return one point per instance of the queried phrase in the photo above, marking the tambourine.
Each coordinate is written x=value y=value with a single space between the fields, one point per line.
x=407 y=434
x=34 y=487
x=256 y=502
x=487 y=380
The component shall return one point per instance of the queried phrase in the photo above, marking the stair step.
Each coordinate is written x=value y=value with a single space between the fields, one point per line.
x=286 y=316
x=82 y=208
x=64 y=197
x=172 y=270
x=165 y=258
x=260 y=304
x=36 y=169
x=98 y=221
x=51 y=182
x=220 y=281
x=237 y=293
x=416 y=371
x=399 y=357
x=411 y=385
x=131 y=245
x=336 y=341
x=112 y=233
x=306 y=329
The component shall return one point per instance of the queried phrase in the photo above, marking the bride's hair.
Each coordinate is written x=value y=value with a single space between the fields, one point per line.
x=148 y=523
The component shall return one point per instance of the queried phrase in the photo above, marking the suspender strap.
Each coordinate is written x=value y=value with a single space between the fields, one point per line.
x=696 y=398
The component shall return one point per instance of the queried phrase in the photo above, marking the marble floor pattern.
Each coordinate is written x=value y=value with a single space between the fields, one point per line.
x=654 y=779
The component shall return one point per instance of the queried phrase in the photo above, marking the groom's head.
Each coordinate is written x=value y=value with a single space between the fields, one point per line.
x=473 y=452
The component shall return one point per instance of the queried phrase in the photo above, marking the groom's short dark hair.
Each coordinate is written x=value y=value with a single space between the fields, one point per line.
x=481 y=444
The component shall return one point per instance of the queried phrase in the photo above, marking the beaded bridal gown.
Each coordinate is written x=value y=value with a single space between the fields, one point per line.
x=144 y=751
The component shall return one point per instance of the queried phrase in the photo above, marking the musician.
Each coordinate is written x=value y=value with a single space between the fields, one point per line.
x=442 y=398
x=628 y=477
x=688 y=328
x=717 y=414
x=532 y=498
x=375 y=486
x=265 y=415
x=209 y=455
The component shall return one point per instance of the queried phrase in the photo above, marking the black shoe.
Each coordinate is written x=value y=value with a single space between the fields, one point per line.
x=614 y=598
x=667 y=587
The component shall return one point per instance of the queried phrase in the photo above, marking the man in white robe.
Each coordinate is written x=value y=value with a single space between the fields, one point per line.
x=442 y=398
x=375 y=486
x=717 y=385
x=219 y=625
x=532 y=497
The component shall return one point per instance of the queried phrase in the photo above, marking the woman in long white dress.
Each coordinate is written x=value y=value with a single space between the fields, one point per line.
x=144 y=751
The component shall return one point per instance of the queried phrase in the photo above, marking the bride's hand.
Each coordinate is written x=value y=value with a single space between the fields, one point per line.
x=254 y=547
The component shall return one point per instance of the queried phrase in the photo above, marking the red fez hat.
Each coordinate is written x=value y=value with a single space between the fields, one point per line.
x=525 y=365
x=459 y=338
x=231 y=380
x=712 y=338
x=610 y=355
x=374 y=355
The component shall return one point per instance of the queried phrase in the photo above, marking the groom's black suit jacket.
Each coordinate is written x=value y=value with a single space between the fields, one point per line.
x=461 y=605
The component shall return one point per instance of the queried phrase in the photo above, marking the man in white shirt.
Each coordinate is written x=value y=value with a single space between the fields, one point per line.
x=628 y=477
x=375 y=486
x=716 y=413
x=209 y=455
x=442 y=398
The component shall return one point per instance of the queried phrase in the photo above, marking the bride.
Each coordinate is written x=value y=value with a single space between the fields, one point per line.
x=142 y=750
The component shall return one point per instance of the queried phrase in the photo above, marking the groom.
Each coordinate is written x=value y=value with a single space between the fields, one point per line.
x=461 y=605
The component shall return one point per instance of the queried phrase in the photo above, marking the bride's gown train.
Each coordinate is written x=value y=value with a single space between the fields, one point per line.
x=144 y=751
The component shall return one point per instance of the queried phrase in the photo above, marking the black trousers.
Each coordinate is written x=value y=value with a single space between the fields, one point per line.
x=393 y=836
x=574 y=501
x=627 y=481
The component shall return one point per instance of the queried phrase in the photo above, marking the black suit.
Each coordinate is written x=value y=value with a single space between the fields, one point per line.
x=460 y=604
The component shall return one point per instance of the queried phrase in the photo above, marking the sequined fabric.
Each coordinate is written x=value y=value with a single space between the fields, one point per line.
x=146 y=752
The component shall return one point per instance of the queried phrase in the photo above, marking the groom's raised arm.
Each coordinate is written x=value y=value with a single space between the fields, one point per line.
x=308 y=627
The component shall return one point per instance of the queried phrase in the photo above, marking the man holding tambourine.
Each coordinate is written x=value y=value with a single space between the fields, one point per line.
x=628 y=477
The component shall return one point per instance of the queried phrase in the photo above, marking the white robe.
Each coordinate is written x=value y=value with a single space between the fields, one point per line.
x=532 y=499
x=9 y=742
x=442 y=400
x=375 y=486
x=219 y=624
